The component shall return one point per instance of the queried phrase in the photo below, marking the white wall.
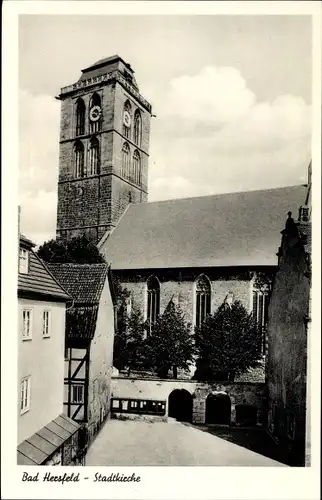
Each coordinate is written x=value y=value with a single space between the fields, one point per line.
x=42 y=359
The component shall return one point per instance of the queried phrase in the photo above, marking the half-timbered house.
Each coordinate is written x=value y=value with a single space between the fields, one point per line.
x=88 y=342
x=46 y=436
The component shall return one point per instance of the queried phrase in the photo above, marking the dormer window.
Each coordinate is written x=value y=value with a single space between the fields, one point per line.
x=23 y=261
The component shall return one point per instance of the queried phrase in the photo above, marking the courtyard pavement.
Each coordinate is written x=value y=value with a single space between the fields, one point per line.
x=126 y=443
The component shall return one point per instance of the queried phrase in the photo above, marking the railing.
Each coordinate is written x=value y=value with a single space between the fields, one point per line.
x=138 y=406
x=115 y=75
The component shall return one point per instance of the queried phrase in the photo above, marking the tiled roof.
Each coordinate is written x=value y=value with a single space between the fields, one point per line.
x=235 y=229
x=81 y=322
x=38 y=280
x=40 y=446
x=83 y=282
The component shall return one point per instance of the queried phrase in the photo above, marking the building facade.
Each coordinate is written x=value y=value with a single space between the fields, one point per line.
x=288 y=330
x=200 y=252
x=89 y=343
x=104 y=149
x=41 y=320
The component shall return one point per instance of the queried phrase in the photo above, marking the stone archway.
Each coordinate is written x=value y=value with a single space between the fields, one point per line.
x=180 y=405
x=246 y=415
x=218 y=409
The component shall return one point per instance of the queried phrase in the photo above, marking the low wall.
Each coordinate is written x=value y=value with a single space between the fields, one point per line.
x=239 y=393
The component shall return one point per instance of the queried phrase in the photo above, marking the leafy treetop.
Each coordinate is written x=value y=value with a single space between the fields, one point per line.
x=78 y=250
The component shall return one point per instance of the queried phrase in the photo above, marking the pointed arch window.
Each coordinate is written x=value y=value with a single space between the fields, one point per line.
x=80 y=117
x=93 y=156
x=95 y=114
x=203 y=299
x=79 y=159
x=137 y=128
x=127 y=119
x=153 y=305
x=125 y=160
x=136 y=168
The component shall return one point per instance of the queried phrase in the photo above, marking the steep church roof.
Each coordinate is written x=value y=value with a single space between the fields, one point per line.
x=235 y=229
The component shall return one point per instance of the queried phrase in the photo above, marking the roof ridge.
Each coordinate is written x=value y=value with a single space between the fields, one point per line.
x=215 y=195
x=50 y=274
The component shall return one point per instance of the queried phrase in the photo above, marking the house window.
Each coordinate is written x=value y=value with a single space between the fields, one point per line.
x=136 y=170
x=26 y=324
x=127 y=120
x=137 y=128
x=24 y=395
x=46 y=324
x=79 y=159
x=153 y=309
x=23 y=261
x=125 y=160
x=260 y=314
x=203 y=300
x=93 y=156
x=77 y=394
x=80 y=117
x=95 y=124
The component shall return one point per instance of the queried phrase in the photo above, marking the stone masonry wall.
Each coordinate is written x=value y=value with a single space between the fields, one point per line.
x=135 y=388
x=94 y=204
x=101 y=360
x=179 y=285
x=287 y=354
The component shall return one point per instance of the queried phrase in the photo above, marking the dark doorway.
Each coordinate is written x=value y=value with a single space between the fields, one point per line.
x=246 y=415
x=180 y=405
x=218 y=409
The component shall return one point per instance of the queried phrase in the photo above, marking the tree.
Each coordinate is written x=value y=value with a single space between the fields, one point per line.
x=228 y=343
x=170 y=345
x=78 y=250
x=129 y=336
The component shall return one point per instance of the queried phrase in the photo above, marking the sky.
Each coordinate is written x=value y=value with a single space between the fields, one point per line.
x=231 y=95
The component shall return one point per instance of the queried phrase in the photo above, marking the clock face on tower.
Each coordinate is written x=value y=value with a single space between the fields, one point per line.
x=127 y=119
x=95 y=113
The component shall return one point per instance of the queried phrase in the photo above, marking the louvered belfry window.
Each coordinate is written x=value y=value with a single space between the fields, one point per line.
x=79 y=159
x=93 y=162
x=203 y=299
x=80 y=117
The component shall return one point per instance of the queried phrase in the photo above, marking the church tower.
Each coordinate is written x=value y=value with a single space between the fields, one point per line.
x=104 y=149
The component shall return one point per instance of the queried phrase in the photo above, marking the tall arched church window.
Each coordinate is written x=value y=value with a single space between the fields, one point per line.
x=93 y=156
x=125 y=160
x=203 y=299
x=153 y=305
x=137 y=128
x=95 y=114
x=127 y=120
x=136 y=168
x=80 y=117
x=79 y=159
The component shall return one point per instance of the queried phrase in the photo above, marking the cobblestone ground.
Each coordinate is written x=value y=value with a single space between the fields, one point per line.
x=125 y=443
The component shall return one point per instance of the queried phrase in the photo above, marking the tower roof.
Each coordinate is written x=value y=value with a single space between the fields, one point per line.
x=108 y=65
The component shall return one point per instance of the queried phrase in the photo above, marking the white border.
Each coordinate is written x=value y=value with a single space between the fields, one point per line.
x=157 y=482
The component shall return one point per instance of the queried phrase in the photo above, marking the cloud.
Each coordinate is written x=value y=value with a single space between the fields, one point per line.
x=38 y=164
x=212 y=131
x=211 y=135
x=38 y=142
x=38 y=215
